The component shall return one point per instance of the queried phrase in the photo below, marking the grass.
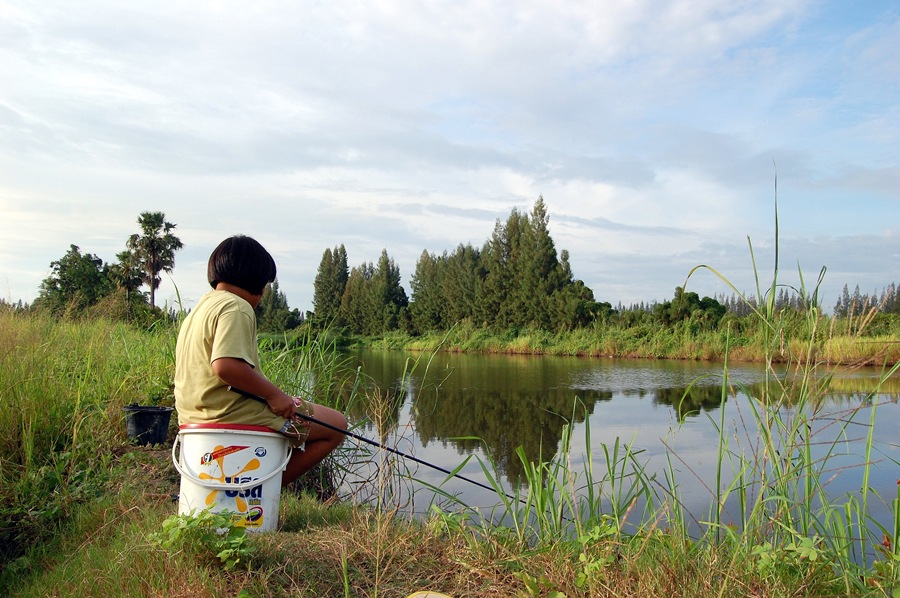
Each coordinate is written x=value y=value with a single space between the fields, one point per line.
x=364 y=553
x=62 y=389
x=342 y=550
x=608 y=529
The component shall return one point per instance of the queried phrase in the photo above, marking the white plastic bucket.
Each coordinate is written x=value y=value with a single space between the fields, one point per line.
x=232 y=467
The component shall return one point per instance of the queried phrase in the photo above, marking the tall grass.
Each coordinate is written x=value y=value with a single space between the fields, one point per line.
x=62 y=388
x=312 y=367
x=786 y=510
x=772 y=521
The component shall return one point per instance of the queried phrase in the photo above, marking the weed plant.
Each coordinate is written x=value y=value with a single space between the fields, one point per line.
x=208 y=536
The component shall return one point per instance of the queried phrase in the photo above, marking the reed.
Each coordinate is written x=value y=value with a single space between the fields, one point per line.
x=312 y=367
x=743 y=339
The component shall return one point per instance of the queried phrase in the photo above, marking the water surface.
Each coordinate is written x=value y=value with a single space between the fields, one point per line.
x=452 y=406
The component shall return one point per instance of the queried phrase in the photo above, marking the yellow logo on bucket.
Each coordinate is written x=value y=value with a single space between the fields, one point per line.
x=245 y=516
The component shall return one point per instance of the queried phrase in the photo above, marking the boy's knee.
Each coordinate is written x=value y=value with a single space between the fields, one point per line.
x=336 y=419
x=341 y=422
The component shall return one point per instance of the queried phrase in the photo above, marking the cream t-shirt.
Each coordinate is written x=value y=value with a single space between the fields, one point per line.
x=221 y=325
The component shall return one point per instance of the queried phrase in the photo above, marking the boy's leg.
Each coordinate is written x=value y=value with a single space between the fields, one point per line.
x=319 y=443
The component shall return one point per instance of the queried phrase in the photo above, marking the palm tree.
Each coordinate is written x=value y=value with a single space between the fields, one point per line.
x=155 y=248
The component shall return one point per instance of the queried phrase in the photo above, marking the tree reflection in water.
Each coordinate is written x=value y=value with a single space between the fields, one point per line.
x=492 y=404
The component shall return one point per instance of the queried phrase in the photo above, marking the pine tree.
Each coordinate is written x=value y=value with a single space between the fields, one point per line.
x=273 y=313
x=389 y=297
x=542 y=275
x=427 y=301
x=329 y=286
x=890 y=300
x=356 y=302
x=495 y=289
x=461 y=284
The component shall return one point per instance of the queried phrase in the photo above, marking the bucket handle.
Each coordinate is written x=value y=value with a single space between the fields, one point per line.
x=221 y=485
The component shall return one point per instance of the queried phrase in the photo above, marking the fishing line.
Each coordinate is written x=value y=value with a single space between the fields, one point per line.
x=374 y=443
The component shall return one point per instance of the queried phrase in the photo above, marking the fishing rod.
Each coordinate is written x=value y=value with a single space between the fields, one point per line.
x=374 y=443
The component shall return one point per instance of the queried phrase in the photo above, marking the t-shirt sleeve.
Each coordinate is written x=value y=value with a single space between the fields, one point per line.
x=235 y=337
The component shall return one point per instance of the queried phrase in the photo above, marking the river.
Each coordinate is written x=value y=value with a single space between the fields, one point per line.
x=448 y=407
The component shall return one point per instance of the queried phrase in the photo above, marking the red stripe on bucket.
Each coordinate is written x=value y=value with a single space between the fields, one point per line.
x=240 y=427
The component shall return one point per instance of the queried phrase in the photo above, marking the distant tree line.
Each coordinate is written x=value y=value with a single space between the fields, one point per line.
x=367 y=299
x=273 y=313
x=82 y=284
x=516 y=280
x=684 y=304
x=856 y=303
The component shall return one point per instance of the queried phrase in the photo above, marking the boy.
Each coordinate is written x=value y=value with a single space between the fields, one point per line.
x=217 y=348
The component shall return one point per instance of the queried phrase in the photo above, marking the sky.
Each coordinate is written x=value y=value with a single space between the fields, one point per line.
x=660 y=133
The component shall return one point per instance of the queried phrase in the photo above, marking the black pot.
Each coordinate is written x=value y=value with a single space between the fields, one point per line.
x=147 y=425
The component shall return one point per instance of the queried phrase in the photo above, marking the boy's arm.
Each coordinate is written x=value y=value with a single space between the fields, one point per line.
x=240 y=374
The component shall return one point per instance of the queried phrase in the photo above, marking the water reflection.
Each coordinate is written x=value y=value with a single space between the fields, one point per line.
x=492 y=404
x=495 y=404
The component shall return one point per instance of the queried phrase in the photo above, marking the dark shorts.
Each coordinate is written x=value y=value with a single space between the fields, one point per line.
x=297 y=429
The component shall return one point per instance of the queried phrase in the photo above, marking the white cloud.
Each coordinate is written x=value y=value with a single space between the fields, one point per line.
x=653 y=131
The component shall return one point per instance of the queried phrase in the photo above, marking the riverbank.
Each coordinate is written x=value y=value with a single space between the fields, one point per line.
x=833 y=343
x=81 y=510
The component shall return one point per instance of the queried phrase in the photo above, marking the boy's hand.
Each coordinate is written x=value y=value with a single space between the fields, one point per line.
x=238 y=373
x=283 y=406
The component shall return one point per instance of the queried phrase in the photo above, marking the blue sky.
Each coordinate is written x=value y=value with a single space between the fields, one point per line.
x=653 y=130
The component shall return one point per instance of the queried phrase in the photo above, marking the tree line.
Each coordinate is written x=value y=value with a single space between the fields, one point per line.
x=515 y=280
x=82 y=284
x=856 y=303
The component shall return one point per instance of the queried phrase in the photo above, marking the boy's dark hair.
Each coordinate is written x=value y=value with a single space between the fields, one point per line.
x=243 y=262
